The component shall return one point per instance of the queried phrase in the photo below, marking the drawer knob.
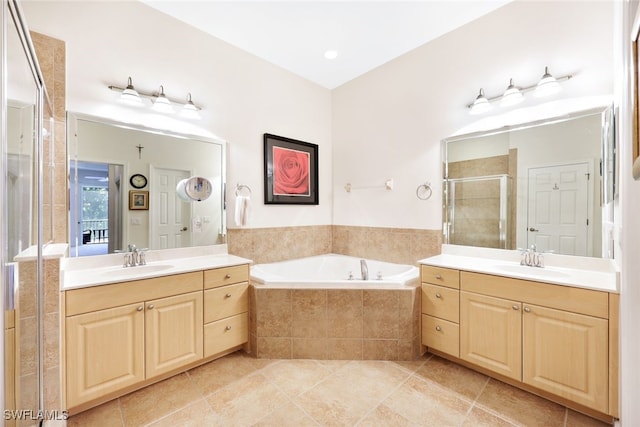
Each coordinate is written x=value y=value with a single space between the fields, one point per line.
x=140 y=308
x=438 y=328
x=227 y=328
x=527 y=309
x=227 y=276
x=150 y=306
x=439 y=277
x=438 y=295
x=227 y=296
x=515 y=307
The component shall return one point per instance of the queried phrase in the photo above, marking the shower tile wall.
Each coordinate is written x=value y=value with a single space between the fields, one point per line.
x=399 y=245
x=51 y=55
x=477 y=204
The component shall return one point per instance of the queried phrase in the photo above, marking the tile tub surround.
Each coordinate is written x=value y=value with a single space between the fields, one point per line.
x=335 y=323
x=240 y=390
x=397 y=245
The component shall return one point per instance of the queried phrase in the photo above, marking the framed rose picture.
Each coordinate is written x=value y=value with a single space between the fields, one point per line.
x=138 y=200
x=290 y=171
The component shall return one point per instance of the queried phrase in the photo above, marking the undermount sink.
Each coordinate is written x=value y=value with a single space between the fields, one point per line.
x=141 y=270
x=530 y=271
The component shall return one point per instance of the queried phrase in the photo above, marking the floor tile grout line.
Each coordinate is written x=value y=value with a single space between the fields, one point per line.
x=364 y=417
x=192 y=403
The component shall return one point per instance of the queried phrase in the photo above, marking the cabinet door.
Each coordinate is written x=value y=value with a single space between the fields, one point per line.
x=566 y=354
x=173 y=332
x=104 y=352
x=491 y=333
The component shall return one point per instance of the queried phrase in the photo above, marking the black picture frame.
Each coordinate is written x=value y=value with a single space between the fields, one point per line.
x=290 y=171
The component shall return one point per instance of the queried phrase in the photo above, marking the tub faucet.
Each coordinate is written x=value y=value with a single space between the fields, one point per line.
x=364 y=269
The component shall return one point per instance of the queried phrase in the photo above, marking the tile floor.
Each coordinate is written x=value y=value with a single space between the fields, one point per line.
x=238 y=390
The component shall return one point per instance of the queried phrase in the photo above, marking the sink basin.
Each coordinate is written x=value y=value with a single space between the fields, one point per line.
x=530 y=271
x=133 y=272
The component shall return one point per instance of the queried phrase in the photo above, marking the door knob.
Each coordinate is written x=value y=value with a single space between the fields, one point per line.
x=533 y=229
x=183 y=229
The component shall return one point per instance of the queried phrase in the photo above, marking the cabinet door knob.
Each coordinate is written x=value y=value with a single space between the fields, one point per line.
x=227 y=276
x=227 y=328
x=140 y=308
x=527 y=309
x=150 y=306
x=515 y=306
x=438 y=276
x=438 y=328
x=227 y=296
x=438 y=295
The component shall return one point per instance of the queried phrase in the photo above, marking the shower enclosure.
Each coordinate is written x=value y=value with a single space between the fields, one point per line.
x=478 y=212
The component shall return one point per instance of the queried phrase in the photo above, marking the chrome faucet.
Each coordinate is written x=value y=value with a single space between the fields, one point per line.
x=364 y=269
x=530 y=257
x=134 y=256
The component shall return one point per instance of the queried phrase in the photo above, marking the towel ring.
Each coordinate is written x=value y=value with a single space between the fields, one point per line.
x=424 y=192
x=241 y=187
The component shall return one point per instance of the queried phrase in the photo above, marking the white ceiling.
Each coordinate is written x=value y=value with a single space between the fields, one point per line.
x=295 y=34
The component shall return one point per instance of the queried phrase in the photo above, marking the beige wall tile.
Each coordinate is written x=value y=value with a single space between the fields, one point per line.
x=273 y=313
x=380 y=314
x=273 y=348
x=344 y=349
x=309 y=314
x=379 y=349
x=344 y=313
x=309 y=348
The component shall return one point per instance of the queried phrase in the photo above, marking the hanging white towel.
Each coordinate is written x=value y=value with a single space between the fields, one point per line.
x=243 y=208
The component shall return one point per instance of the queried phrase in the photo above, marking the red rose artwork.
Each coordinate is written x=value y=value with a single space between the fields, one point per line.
x=290 y=172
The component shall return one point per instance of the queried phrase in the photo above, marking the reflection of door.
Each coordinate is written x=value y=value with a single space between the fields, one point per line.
x=170 y=216
x=558 y=209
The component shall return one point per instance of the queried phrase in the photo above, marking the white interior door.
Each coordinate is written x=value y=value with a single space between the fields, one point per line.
x=558 y=209
x=170 y=216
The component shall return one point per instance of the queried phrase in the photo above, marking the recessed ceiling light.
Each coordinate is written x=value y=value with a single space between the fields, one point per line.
x=331 y=54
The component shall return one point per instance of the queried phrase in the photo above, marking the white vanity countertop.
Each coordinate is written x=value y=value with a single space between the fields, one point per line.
x=583 y=272
x=104 y=269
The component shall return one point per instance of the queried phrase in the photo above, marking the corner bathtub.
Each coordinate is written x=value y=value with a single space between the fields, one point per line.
x=332 y=271
x=309 y=308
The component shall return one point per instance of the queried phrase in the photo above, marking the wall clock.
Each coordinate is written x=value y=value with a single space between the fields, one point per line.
x=138 y=180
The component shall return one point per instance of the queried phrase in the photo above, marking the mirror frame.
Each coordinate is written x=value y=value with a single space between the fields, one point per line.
x=71 y=138
x=608 y=167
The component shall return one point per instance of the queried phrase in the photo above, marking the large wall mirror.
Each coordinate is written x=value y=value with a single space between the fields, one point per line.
x=549 y=183
x=123 y=181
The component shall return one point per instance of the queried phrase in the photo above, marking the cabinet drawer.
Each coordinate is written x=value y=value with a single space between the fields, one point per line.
x=225 y=334
x=441 y=302
x=226 y=276
x=441 y=335
x=225 y=301
x=440 y=276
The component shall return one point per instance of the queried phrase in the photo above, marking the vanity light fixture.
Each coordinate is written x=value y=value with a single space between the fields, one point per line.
x=190 y=110
x=511 y=96
x=130 y=95
x=162 y=103
x=481 y=104
x=159 y=101
x=548 y=85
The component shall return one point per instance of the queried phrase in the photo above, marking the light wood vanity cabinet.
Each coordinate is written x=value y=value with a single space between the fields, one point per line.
x=122 y=336
x=558 y=339
x=440 y=309
x=551 y=337
x=110 y=346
